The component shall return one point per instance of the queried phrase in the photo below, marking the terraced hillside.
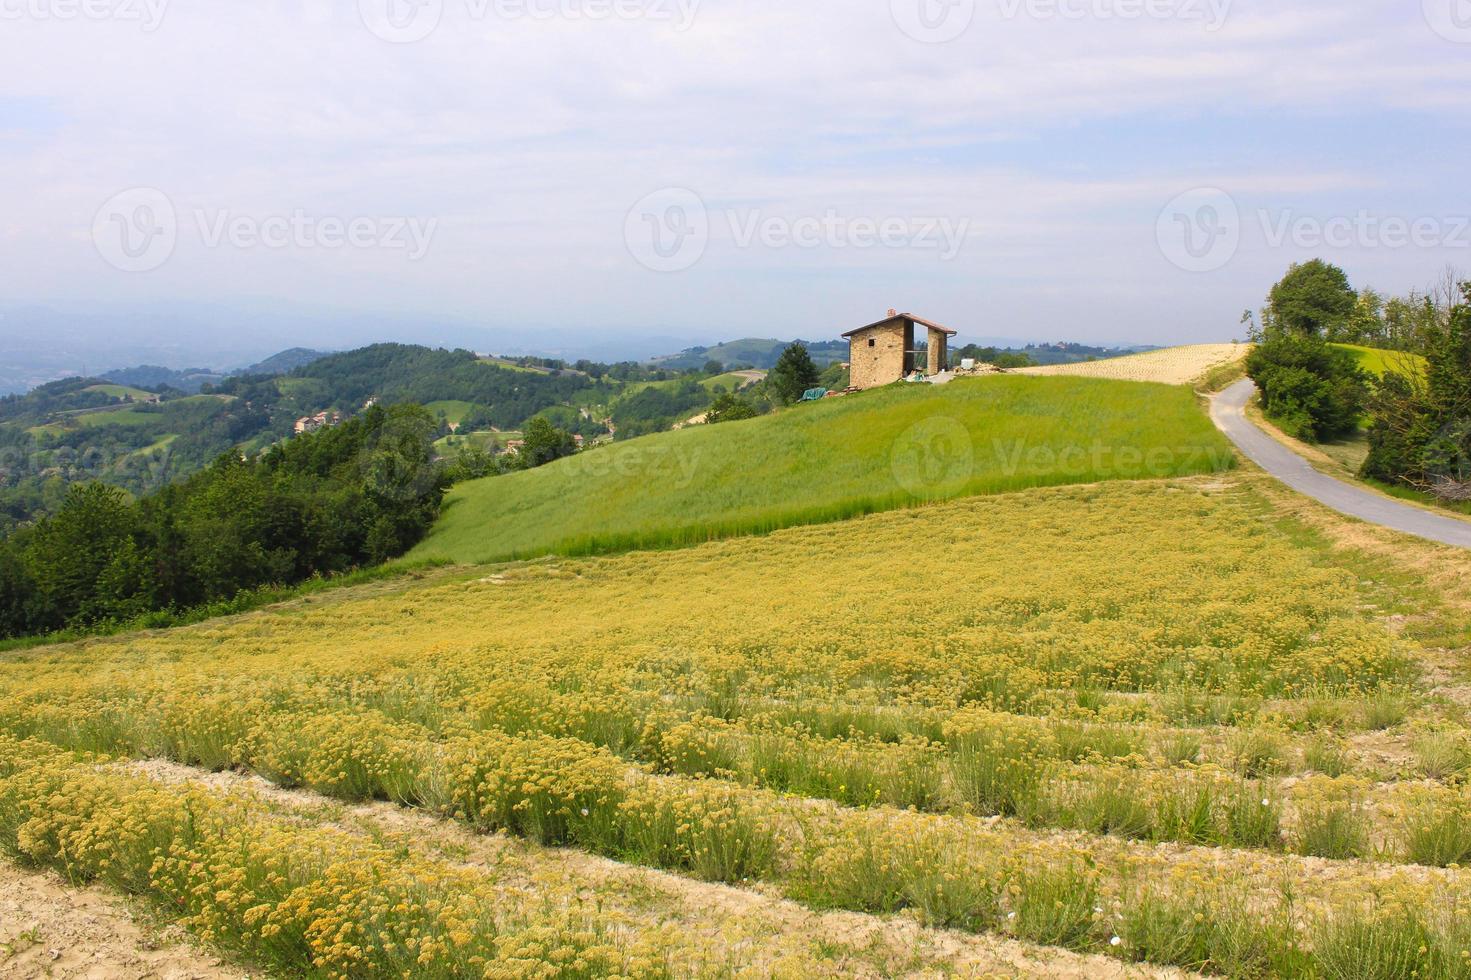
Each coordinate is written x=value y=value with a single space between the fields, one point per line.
x=870 y=452
x=1190 y=722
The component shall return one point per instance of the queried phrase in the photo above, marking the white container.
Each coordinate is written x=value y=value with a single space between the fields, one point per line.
x=968 y=364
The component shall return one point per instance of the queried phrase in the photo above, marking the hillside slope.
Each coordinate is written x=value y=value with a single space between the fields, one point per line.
x=842 y=457
x=1113 y=718
x=1170 y=365
x=1379 y=362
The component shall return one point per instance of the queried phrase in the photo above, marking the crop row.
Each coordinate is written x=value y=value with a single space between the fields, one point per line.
x=954 y=872
x=294 y=896
x=1046 y=773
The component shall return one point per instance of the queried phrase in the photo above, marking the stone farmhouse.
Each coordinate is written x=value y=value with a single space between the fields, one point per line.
x=885 y=352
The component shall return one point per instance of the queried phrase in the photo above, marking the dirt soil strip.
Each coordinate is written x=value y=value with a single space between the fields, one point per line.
x=49 y=929
x=701 y=908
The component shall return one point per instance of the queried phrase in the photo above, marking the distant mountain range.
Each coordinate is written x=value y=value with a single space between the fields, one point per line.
x=751 y=352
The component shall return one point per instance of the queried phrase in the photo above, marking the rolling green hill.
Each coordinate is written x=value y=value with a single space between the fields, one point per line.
x=756 y=352
x=839 y=458
x=1381 y=362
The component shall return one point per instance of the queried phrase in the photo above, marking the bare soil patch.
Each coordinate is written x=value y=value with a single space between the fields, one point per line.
x=50 y=929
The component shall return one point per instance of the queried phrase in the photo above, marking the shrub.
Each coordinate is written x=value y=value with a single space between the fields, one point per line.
x=1437 y=835
x=1253 y=816
x=1056 y=906
x=1376 y=947
x=1332 y=829
x=997 y=760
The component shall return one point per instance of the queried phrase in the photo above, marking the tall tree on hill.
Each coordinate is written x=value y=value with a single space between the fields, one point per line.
x=1314 y=299
x=1313 y=390
x=794 y=373
x=545 y=442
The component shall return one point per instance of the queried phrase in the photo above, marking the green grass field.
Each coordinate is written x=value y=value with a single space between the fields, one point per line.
x=124 y=391
x=513 y=366
x=454 y=411
x=729 y=381
x=121 y=416
x=840 y=458
x=1380 y=362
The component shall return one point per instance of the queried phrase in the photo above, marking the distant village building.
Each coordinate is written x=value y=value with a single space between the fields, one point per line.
x=885 y=352
x=311 y=423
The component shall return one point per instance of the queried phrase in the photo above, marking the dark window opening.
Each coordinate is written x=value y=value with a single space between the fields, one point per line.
x=872 y=342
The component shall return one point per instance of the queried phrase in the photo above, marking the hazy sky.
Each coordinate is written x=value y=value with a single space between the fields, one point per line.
x=1106 y=170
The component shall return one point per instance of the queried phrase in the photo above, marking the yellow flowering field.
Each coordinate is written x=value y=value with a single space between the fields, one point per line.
x=1117 y=719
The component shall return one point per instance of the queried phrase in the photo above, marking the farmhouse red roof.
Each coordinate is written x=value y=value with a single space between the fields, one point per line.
x=904 y=316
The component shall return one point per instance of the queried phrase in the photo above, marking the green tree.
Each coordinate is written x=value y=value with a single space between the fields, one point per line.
x=19 y=597
x=714 y=368
x=1313 y=390
x=545 y=443
x=69 y=554
x=793 y=374
x=1420 y=433
x=729 y=408
x=1314 y=298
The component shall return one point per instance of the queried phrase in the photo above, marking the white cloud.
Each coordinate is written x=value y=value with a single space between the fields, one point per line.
x=528 y=140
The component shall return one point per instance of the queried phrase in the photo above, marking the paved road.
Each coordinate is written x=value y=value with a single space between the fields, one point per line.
x=1228 y=412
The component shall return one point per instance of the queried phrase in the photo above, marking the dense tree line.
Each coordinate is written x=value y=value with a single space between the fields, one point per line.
x=398 y=373
x=1418 y=413
x=1310 y=388
x=1420 y=434
x=654 y=409
x=345 y=497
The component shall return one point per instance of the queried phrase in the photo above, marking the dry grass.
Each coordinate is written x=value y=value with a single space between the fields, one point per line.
x=1137 y=676
x=1171 y=366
